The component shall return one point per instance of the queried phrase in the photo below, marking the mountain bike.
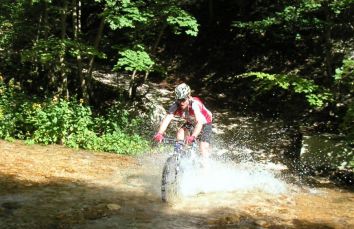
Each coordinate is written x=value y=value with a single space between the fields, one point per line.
x=173 y=169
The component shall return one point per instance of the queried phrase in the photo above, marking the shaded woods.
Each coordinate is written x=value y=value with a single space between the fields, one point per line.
x=292 y=60
x=274 y=73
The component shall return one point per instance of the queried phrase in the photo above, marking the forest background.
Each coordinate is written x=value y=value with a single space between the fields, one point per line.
x=292 y=60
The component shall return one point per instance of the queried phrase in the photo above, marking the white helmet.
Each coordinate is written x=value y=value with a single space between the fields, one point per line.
x=182 y=91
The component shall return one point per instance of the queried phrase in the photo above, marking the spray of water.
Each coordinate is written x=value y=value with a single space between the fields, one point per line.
x=227 y=176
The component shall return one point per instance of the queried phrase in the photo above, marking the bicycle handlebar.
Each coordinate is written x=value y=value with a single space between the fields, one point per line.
x=170 y=140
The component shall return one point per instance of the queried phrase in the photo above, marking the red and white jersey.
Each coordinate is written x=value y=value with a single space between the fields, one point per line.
x=195 y=106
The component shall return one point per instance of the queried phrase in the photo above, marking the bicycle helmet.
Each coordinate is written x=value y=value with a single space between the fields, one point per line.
x=182 y=91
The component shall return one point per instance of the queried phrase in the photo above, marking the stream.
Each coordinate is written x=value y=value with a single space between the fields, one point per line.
x=243 y=186
x=226 y=195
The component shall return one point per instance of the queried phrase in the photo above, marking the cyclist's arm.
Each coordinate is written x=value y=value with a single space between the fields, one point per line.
x=165 y=122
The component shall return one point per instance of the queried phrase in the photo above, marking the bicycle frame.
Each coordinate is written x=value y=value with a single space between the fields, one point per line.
x=173 y=141
x=171 y=174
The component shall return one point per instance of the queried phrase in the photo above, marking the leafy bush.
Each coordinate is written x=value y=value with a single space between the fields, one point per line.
x=119 y=118
x=57 y=120
x=67 y=122
x=10 y=109
x=120 y=142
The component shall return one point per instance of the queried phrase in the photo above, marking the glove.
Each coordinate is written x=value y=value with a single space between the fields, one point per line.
x=190 y=139
x=158 y=137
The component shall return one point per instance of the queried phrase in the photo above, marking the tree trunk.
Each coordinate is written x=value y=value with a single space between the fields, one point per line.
x=63 y=87
x=159 y=37
x=36 y=61
x=47 y=67
x=154 y=48
x=211 y=12
x=92 y=60
x=77 y=32
x=131 y=86
x=328 y=47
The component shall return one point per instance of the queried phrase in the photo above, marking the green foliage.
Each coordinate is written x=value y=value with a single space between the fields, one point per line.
x=316 y=96
x=51 y=46
x=58 y=120
x=134 y=60
x=6 y=34
x=127 y=14
x=67 y=122
x=180 y=20
x=143 y=17
x=347 y=126
x=117 y=118
x=9 y=109
x=304 y=13
x=120 y=142
x=9 y=12
x=124 y=13
x=48 y=50
x=345 y=74
x=345 y=81
x=257 y=26
x=339 y=6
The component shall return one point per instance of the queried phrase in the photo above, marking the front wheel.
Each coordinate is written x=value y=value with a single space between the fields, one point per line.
x=170 y=179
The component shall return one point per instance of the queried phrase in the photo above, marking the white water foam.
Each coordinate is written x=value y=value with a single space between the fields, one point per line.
x=217 y=176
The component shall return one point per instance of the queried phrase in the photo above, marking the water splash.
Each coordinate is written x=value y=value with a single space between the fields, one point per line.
x=225 y=176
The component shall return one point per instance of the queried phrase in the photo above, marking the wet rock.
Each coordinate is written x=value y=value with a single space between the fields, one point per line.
x=7 y=208
x=2 y=211
x=93 y=213
x=263 y=223
x=343 y=177
x=328 y=155
x=114 y=207
x=11 y=205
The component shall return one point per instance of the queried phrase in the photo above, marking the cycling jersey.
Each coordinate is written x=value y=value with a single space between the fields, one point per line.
x=195 y=105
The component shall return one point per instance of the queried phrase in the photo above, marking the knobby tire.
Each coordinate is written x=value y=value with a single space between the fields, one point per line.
x=170 y=179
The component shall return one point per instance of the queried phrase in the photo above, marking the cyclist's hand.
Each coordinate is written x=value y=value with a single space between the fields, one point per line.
x=190 y=139
x=158 y=137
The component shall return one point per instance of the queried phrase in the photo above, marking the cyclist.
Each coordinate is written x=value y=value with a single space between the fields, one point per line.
x=198 y=120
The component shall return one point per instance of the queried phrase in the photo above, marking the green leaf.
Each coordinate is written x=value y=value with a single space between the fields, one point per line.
x=134 y=60
x=316 y=96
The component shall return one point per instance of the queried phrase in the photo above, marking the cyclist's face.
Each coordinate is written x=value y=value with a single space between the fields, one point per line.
x=183 y=103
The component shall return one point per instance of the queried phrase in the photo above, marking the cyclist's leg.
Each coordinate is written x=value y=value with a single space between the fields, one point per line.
x=181 y=133
x=184 y=131
x=204 y=149
x=205 y=138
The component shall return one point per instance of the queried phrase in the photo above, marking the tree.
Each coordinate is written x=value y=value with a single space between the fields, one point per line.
x=141 y=17
x=304 y=24
x=134 y=60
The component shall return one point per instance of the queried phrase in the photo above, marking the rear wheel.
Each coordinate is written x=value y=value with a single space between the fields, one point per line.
x=170 y=179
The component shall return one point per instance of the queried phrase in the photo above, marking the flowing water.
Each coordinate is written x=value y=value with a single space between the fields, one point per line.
x=239 y=195
x=53 y=187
